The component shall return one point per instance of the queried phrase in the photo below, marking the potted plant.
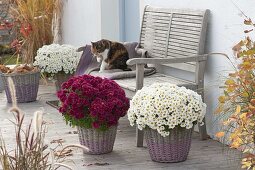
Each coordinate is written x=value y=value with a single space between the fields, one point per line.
x=57 y=61
x=167 y=113
x=94 y=105
x=26 y=80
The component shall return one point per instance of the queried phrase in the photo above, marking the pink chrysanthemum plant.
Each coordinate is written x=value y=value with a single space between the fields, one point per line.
x=92 y=102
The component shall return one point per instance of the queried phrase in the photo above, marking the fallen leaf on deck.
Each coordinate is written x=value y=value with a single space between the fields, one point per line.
x=60 y=141
x=97 y=164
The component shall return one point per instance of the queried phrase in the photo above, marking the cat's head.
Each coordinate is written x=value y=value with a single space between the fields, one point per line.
x=98 y=47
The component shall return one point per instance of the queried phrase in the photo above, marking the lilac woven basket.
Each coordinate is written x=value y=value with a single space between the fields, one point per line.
x=98 y=142
x=173 y=148
x=26 y=85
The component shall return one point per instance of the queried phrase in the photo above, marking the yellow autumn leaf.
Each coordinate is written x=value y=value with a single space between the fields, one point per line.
x=230 y=89
x=245 y=94
x=220 y=134
x=222 y=99
x=243 y=116
x=235 y=144
x=229 y=82
x=238 y=109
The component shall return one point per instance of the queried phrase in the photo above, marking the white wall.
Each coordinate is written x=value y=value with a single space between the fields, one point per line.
x=81 y=21
x=90 y=20
x=131 y=20
x=110 y=28
x=225 y=30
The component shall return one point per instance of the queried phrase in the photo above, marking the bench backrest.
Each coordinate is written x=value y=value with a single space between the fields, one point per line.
x=171 y=33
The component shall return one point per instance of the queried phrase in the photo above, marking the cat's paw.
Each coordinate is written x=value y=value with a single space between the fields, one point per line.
x=101 y=71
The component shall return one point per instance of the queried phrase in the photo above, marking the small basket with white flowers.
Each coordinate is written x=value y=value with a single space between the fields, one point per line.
x=57 y=61
x=167 y=113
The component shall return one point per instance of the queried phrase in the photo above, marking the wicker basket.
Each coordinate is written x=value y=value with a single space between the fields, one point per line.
x=98 y=142
x=26 y=85
x=173 y=148
x=61 y=78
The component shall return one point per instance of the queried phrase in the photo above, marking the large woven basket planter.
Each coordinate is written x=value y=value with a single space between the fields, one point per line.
x=26 y=85
x=98 y=142
x=61 y=78
x=173 y=148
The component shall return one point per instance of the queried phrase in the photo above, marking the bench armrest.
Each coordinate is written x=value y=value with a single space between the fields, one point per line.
x=194 y=58
x=141 y=52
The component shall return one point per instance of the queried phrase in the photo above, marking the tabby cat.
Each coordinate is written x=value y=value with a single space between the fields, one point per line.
x=113 y=55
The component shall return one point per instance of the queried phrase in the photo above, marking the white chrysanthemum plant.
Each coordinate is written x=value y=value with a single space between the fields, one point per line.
x=55 y=58
x=164 y=106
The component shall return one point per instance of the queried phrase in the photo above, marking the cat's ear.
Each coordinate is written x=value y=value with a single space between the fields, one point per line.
x=92 y=43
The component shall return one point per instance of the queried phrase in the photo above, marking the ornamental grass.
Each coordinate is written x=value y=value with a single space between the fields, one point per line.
x=33 y=23
x=30 y=150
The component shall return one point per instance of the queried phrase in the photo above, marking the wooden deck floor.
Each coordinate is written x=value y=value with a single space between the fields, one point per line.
x=207 y=155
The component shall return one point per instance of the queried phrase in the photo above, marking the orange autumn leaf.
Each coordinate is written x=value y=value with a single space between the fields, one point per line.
x=248 y=21
x=253 y=102
x=220 y=134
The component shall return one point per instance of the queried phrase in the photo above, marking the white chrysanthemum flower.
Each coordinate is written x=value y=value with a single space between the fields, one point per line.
x=55 y=58
x=164 y=106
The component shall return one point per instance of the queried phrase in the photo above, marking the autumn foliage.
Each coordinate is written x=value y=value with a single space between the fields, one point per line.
x=237 y=104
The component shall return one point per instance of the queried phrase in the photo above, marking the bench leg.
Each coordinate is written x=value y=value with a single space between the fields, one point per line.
x=139 y=137
x=202 y=131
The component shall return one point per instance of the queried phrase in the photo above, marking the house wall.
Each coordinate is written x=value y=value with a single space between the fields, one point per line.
x=224 y=31
x=90 y=20
x=131 y=20
x=110 y=22
x=81 y=21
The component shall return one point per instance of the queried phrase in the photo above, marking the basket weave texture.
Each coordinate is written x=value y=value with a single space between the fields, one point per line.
x=173 y=148
x=98 y=142
x=26 y=85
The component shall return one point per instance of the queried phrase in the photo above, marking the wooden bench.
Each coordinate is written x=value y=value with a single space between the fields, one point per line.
x=170 y=38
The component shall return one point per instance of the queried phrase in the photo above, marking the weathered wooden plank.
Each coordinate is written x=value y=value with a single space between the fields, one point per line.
x=183 y=49
x=194 y=44
x=183 y=27
x=192 y=17
x=181 y=45
x=177 y=53
x=192 y=40
x=187 y=24
x=184 y=34
x=178 y=11
x=185 y=31
x=188 y=20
